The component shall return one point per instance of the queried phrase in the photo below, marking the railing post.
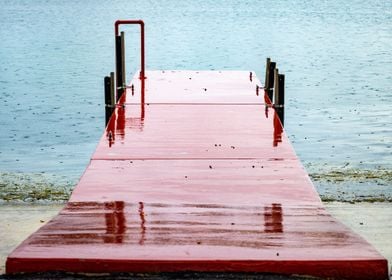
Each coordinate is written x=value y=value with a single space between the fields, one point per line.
x=120 y=57
x=142 y=58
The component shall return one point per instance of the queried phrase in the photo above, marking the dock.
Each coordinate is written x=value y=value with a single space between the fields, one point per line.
x=194 y=172
x=202 y=177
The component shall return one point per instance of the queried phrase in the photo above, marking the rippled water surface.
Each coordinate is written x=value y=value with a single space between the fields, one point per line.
x=336 y=56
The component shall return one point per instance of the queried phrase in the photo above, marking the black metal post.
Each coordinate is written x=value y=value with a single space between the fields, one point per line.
x=275 y=99
x=267 y=65
x=280 y=108
x=123 y=59
x=269 y=77
x=110 y=100
x=271 y=70
x=112 y=90
x=120 y=66
x=108 y=108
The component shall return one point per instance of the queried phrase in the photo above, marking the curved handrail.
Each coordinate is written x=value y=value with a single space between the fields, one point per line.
x=141 y=23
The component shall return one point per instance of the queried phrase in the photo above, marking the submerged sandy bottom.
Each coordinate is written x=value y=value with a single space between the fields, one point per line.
x=373 y=221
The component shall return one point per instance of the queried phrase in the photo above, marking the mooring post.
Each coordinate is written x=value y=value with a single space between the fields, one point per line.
x=120 y=65
x=281 y=98
x=124 y=79
x=279 y=95
x=112 y=91
x=110 y=100
x=267 y=65
x=269 y=78
x=107 y=84
x=275 y=80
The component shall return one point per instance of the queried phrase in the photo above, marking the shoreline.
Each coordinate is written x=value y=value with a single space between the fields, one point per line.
x=346 y=185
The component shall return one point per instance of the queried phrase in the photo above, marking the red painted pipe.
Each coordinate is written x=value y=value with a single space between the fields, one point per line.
x=141 y=23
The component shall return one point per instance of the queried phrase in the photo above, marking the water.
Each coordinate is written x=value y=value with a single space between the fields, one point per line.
x=336 y=56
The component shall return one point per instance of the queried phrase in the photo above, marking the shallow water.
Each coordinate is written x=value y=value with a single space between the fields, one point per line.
x=336 y=57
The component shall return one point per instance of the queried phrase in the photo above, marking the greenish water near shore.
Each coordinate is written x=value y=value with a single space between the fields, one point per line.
x=354 y=185
x=34 y=187
x=348 y=185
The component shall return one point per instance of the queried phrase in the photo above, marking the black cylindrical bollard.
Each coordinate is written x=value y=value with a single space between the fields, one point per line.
x=271 y=71
x=123 y=59
x=275 y=76
x=119 y=67
x=280 y=109
x=112 y=91
x=281 y=89
x=108 y=108
x=271 y=74
x=267 y=65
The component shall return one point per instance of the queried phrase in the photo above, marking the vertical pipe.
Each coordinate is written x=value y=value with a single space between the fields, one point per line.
x=107 y=85
x=142 y=103
x=276 y=86
x=142 y=76
x=271 y=71
x=112 y=90
x=119 y=74
x=142 y=71
x=124 y=79
x=271 y=74
x=267 y=65
x=281 y=98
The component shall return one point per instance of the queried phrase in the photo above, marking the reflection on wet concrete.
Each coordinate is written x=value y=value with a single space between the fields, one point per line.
x=185 y=224
x=267 y=103
x=142 y=224
x=118 y=122
x=267 y=100
x=115 y=222
x=278 y=129
x=273 y=218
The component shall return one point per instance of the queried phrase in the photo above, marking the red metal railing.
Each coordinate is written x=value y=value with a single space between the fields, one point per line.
x=141 y=23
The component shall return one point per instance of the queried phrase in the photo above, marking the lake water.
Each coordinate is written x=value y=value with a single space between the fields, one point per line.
x=336 y=56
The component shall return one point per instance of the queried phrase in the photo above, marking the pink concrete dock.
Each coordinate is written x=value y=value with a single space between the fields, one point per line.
x=201 y=177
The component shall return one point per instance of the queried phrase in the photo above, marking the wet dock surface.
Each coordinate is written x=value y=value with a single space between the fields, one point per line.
x=199 y=177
